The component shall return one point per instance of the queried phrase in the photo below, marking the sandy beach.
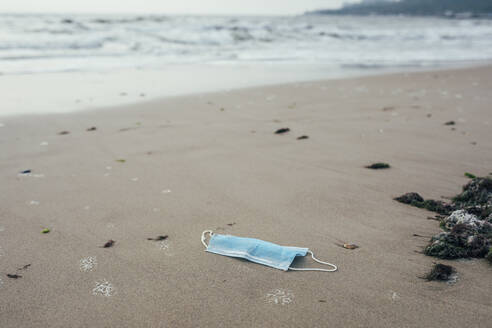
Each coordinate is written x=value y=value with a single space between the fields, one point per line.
x=180 y=165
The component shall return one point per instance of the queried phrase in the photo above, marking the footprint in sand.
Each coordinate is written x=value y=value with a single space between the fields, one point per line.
x=104 y=288
x=88 y=263
x=280 y=296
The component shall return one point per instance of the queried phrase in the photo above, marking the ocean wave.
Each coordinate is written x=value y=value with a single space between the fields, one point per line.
x=347 y=41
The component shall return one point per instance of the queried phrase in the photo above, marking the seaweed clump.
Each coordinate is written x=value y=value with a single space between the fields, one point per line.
x=478 y=192
x=414 y=199
x=441 y=272
x=467 y=221
x=463 y=241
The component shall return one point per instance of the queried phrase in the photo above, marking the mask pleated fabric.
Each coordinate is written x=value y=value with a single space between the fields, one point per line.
x=259 y=251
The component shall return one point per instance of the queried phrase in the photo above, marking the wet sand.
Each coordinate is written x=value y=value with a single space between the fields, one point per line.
x=212 y=161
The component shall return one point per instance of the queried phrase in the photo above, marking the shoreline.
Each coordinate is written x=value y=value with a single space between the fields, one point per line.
x=180 y=165
x=70 y=92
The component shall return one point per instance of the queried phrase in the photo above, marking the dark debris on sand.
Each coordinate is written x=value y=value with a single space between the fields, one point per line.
x=24 y=267
x=282 y=131
x=14 y=276
x=466 y=221
x=303 y=137
x=450 y=123
x=378 y=166
x=92 y=128
x=159 y=238
x=441 y=272
x=61 y=133
x=109 y=243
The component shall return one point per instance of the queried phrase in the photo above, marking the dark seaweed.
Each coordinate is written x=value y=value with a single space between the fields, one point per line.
x=409 y=198
x=158 y=238
x=14 y=276
x=467 y=239
x=414 y=199
x=489 y=256
x=281 y=131
x=378 y=166
x=24 y=267
x=441 y=272
x=109 y=243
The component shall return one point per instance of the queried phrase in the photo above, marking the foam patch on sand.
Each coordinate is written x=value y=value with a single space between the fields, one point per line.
x=104 y=288
x=280 y=296
x=88 y=263
x=165 y=247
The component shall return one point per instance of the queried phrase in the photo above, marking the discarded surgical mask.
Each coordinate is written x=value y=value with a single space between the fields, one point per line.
x=259 y=251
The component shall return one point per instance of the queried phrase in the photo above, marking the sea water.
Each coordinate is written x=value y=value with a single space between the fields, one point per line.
x=58 y=43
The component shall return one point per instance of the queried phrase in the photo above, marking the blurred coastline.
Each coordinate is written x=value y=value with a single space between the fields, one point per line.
x=60 y=63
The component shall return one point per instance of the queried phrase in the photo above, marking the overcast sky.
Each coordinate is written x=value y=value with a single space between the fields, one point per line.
x=170 y=6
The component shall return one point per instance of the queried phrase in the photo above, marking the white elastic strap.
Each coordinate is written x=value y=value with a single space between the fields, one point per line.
x=204 y=236
x=316 y=269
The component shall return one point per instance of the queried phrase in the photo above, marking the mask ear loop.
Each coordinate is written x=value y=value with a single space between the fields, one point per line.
x=316 y=269
x=204 y=237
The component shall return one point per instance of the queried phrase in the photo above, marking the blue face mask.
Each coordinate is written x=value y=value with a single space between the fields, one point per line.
x=259 y=251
